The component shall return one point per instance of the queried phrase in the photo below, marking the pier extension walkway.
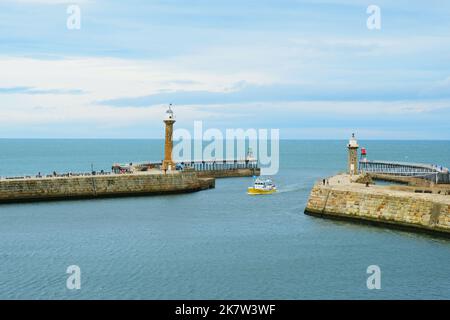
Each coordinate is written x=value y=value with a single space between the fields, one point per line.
x=436 y=174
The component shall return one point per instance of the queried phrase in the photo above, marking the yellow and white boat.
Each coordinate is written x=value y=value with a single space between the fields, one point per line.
x=262 y=186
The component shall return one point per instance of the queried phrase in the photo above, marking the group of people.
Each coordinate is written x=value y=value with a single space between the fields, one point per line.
x=440 y=168
x=70 y=174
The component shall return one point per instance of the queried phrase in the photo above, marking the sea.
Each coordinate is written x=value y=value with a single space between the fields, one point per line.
x=215 y=244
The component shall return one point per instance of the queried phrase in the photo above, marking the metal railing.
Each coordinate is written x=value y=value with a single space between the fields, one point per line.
x=220 y=164
x=437 y=174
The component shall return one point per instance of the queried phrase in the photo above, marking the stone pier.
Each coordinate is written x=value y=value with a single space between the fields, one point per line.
x=101 y=186
x=344 y=198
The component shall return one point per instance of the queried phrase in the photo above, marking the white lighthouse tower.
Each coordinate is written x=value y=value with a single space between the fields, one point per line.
x=353 y=155
x=169 y=120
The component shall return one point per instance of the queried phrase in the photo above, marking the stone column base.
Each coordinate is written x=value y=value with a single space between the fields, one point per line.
x=168 y=165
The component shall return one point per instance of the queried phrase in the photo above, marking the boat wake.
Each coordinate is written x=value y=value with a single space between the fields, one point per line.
x=292 y=188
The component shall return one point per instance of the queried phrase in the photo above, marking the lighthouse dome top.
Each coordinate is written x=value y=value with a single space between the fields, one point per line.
x=169 y=113
x=353 y=143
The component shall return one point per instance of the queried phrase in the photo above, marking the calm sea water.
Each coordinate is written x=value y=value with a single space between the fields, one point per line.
x=215 y=244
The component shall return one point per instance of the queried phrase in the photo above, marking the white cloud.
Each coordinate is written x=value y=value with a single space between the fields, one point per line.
x=50 y=1
x=98 y=79
x=101 y=78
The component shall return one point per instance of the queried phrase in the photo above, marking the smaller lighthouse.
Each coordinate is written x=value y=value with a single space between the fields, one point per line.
x=353 y=155
x=363 y=157
x=169 y=120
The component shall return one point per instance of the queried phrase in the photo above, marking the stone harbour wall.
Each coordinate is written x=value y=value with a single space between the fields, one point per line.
x=412 y=181
x=231 y=173
x=374 y=204
x=97 y=186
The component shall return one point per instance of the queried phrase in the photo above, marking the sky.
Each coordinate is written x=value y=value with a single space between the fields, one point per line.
x=310 y=68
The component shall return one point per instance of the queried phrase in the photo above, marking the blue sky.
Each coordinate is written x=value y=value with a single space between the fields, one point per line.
x=310 y=68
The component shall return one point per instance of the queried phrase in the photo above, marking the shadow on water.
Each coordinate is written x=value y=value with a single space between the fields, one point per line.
x=372 y=228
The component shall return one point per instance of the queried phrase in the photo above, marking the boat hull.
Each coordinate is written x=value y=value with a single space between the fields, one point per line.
x=253 y=191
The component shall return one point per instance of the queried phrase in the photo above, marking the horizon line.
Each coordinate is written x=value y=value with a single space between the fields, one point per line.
x=281 y=139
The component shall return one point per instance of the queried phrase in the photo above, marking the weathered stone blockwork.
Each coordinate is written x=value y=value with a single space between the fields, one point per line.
x=16 y=190
x=376 y=205
x=231 y=173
